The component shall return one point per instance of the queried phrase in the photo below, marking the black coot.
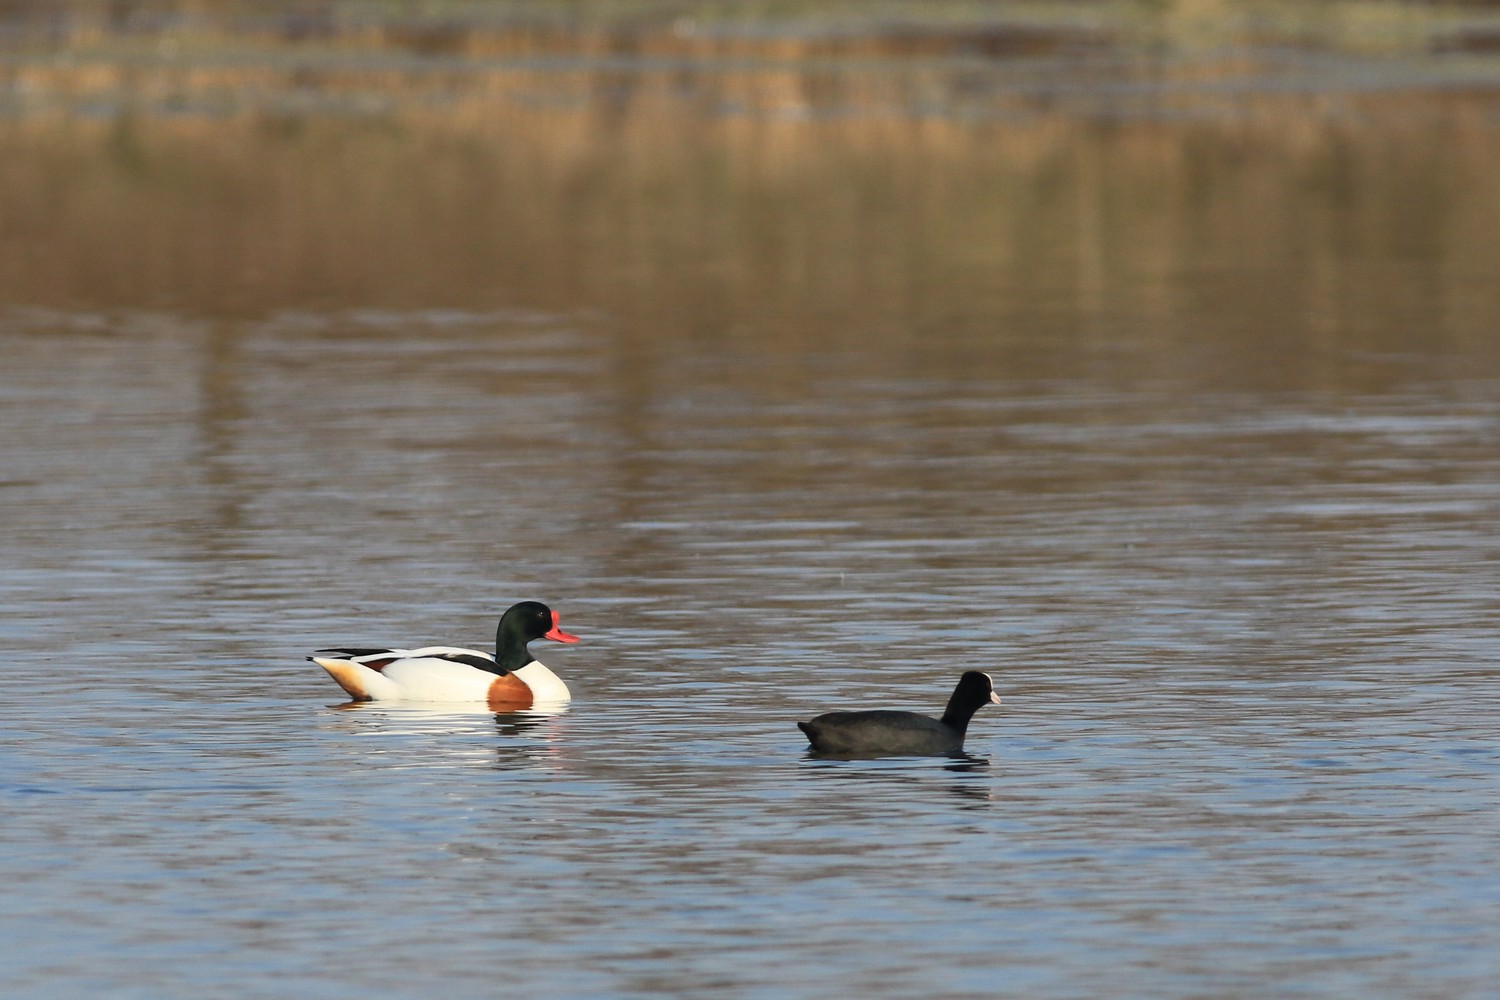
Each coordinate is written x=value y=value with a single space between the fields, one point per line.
x=888 y=732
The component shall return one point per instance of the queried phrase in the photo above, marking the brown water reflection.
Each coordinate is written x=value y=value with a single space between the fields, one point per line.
x=1312 y=240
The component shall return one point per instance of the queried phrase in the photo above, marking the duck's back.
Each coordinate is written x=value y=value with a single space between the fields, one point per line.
x=880 y=731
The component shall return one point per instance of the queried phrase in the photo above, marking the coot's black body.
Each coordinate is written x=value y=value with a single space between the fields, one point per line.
x=883 y=731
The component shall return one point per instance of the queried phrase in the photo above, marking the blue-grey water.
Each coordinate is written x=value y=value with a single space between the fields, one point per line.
x=1244 y=640
x=1188 y=433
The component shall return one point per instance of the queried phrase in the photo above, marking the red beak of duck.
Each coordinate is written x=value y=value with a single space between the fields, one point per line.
x=556 y=634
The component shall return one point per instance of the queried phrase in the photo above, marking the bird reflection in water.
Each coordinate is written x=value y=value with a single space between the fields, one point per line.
x=529 y=739
x=909 y=770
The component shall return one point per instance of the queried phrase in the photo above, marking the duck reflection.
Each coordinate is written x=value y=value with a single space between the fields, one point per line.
x=454 y=710
x=525 y=737
x=530 y=739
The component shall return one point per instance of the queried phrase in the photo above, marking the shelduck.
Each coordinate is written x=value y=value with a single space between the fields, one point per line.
x=510 y=679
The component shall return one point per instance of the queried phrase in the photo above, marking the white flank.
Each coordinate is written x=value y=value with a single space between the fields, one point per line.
x=545 y=685
x=431 y=679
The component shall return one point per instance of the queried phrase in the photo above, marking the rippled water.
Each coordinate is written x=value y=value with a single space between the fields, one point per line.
x=1189 y=433
x=1243 y=637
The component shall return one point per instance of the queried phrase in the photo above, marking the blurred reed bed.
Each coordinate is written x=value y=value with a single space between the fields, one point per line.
x=757 y=28
x=683 y=171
